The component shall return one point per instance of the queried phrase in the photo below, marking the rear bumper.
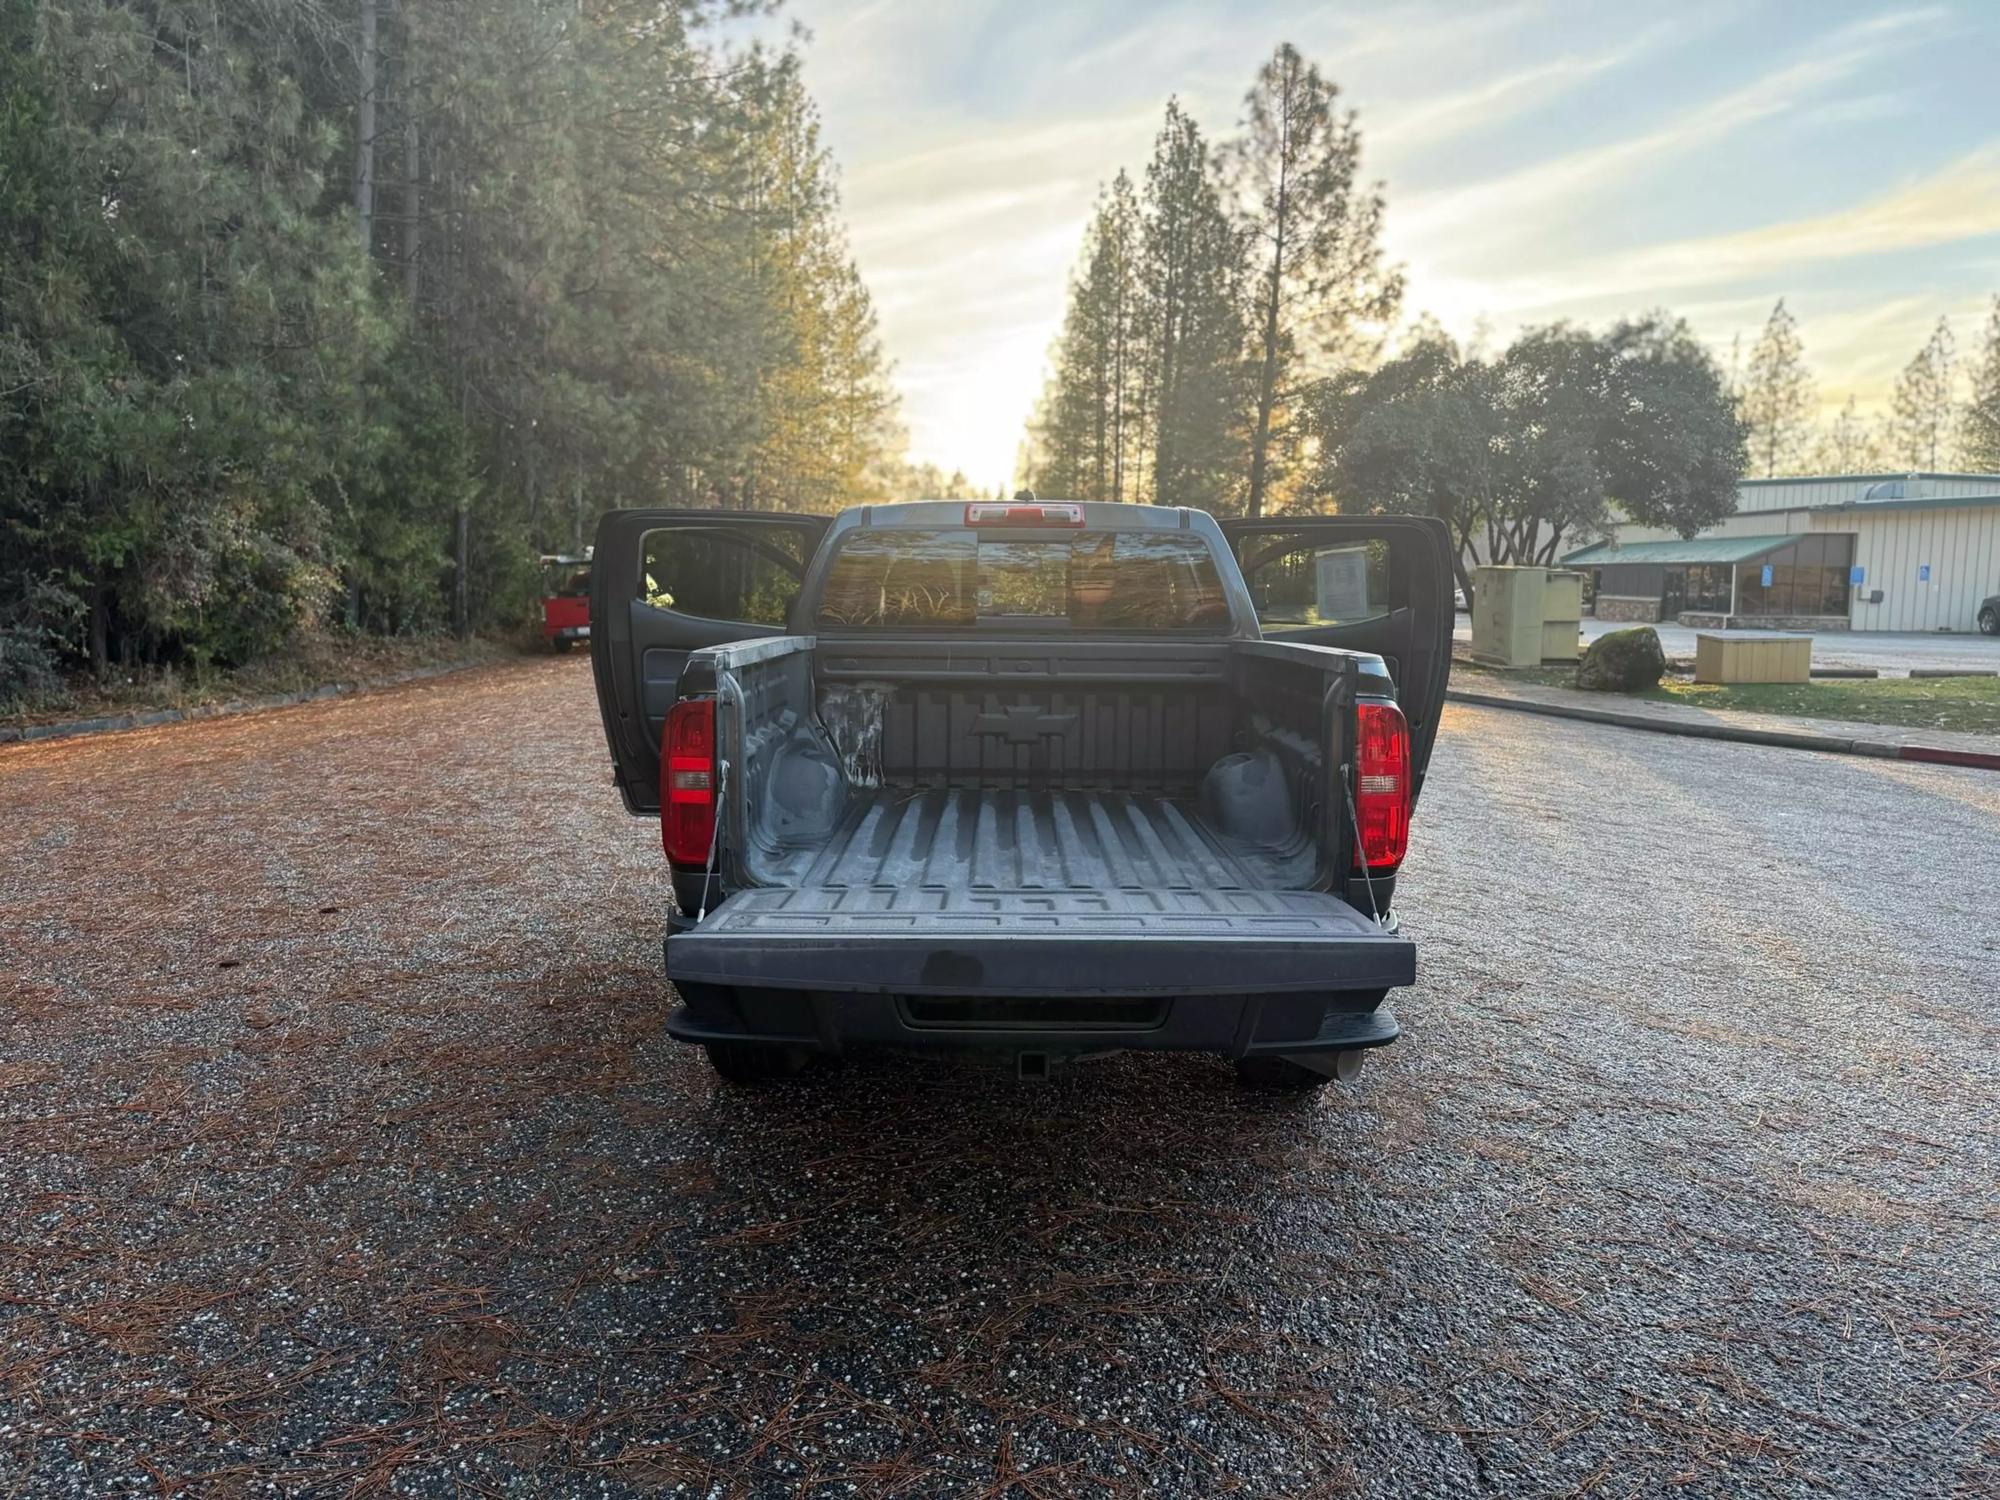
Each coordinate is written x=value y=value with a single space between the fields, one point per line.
x=1230 y=1025
x=566 y=632
x=1236 y=994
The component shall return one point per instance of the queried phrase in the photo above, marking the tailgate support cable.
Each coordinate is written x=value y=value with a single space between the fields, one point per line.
x=711 y=875
x=1354 y=826
x=714 y=836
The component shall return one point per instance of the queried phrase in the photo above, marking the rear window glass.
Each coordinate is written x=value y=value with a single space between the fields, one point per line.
x=1092 y=580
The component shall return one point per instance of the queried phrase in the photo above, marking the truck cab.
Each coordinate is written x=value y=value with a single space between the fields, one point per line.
x=1046 y=778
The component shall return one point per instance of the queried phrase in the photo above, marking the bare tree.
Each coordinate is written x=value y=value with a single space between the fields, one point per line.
x=1979 y=431
x=1921 y=428
x=1777 y=399
x=1850 y=444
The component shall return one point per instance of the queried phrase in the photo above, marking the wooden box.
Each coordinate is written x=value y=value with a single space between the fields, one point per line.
x=1752 y=657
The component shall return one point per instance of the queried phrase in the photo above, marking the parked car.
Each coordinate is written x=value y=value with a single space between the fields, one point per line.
x=565 y=600
x=1989 y=614
x=1027 y=777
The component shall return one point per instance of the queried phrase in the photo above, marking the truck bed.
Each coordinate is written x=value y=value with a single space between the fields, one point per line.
x=945 y=840
x=941 y=826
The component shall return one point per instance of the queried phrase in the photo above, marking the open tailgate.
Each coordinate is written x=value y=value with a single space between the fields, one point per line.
x=1130 y=942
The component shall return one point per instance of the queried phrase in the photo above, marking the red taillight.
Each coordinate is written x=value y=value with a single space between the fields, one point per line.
x=999 y=513
x=687 y=782
x=1382 y=785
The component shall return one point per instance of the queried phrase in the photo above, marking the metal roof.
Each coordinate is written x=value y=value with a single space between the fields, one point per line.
x=1702 y=549
x=1844 y=478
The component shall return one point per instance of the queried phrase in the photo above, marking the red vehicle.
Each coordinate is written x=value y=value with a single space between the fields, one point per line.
x=566 y=600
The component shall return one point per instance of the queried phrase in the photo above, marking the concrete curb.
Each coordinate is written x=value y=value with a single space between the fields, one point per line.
x=17 y=734
x=1826 y=744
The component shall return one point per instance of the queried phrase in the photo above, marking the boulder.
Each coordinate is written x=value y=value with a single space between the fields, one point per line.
x=1624 y=661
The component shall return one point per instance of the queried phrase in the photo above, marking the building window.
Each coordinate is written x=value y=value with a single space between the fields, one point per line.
x=1707 y=589
x=1808 y=577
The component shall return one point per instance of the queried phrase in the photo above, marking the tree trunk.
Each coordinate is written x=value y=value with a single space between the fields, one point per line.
x=1118 y=401
x=100 y=629
x=364 y=132
x=461 y=592
x=413 y=224
x=1267 y=379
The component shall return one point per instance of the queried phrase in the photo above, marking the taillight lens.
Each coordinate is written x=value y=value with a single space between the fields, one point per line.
x=1382 y=785
x=687 y=782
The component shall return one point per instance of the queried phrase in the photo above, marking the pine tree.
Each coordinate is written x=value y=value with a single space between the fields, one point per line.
x=1979 y=428
x=617 y=276
x=1190 y=277
x=1921 y=426
x=1081 y=441
x=1319 y=293
x=1777 y=400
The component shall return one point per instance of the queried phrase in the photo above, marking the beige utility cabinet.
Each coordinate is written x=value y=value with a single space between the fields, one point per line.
x=1752 y=658
x=1562 y=615
x=1522 y=617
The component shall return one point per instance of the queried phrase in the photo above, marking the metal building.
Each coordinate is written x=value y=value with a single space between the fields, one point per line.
x=1855 y=551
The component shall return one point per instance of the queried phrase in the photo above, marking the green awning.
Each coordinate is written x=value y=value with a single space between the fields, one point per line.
x=1702 y=549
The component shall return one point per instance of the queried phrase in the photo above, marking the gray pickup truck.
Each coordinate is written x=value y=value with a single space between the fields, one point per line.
x=1044 y=778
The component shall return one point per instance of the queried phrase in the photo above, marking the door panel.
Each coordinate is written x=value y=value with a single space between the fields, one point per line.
x=1365 y=583
x=666 y=583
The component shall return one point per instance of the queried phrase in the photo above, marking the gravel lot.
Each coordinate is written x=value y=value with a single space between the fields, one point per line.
x=341 y=1150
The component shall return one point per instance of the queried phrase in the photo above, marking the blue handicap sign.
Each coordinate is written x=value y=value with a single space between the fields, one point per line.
x=1767 y=575
x=1923 y=573
x=1857 y=574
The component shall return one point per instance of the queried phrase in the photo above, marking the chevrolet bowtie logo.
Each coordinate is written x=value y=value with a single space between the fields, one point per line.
x=1022 y=724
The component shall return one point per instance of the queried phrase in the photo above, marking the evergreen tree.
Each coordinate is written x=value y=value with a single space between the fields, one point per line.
x=1190 y=279
x=1082 y=437
x=1979 y=429
x=1776 y=401
x=1921 y=425
x=338 y=314
x=1319 y=294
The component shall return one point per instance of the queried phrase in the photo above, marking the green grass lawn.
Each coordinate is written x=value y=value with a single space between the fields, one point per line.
x=1969 y=704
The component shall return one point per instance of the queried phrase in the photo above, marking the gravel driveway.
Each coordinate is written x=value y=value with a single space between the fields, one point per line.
x=341 y=1150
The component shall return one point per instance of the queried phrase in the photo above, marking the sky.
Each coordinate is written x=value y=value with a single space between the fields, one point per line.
x=1541 y=161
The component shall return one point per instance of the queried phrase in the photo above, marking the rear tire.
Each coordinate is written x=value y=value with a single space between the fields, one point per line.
x=1278 y=1075
x=749 y=1063
x=562 y=645
x=1989 y=621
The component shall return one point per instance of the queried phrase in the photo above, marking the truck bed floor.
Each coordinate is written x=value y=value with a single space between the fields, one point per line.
x=901 y=838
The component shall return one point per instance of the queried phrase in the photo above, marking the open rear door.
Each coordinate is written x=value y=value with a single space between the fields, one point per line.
x=1366 y=583
x=666 y=583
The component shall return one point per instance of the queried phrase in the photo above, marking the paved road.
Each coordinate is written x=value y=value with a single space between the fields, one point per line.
x=340 y=1149
x=1891 y=654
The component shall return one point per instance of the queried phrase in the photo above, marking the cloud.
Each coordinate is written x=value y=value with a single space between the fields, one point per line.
x=1501 y=210
x=1481 y=107
x=1960 y=202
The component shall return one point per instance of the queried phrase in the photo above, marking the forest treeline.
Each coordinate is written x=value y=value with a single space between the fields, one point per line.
x=338 y=313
